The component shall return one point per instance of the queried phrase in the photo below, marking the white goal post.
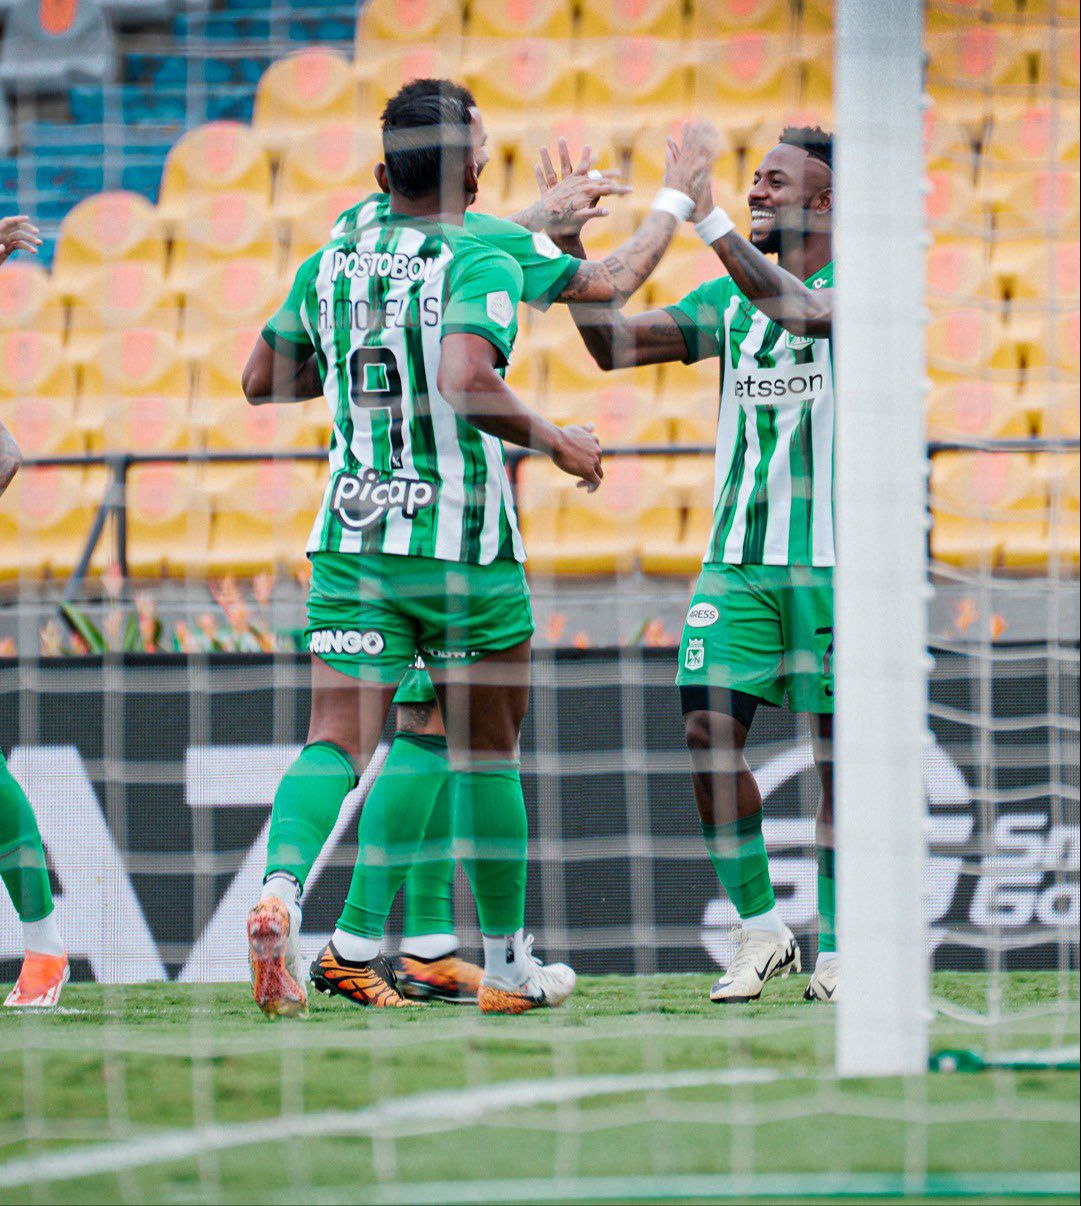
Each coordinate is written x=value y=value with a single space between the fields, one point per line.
x=881 y=578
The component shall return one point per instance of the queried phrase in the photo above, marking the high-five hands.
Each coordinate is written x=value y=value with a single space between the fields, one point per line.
x=570 y=197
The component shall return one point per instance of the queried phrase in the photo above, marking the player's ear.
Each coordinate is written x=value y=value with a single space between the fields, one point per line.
x=472 y=177
x=381 y=177
x=823 y=203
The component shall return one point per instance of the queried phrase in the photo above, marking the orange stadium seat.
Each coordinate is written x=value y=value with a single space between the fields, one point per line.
x=990 y=510
x=408 y=21
x=1034 y=269
x=44 y=520
x=519 y=19
x=1038 y=135
x=973 y=70
x=953 y=204
x=263 y=515
x=168 y=521
x=134 y=395
x=631 y=19
x=37 y=393
x=383 y=67
x=125 y=294
x=971 y=409
x=223 y=227
x=715 y=18
x=28 y=301
x=104 y=228
x=958 y=269
x=742 y=80
x=232 y=294
x=966 y=340
x=303 y=91
x=220 y=157
x=335 y=157
x=515 y=79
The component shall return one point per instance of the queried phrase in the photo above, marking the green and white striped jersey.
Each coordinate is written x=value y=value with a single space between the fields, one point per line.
x=546 y=271
x=408 y=475
x=773 y=492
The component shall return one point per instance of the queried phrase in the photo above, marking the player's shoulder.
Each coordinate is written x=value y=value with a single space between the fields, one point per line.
x=516 y=240
x=474 y=254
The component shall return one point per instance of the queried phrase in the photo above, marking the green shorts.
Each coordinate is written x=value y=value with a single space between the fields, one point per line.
x=371 y=614
x=766 y=630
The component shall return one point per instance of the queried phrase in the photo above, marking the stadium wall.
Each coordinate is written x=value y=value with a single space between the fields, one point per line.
x=152 y=779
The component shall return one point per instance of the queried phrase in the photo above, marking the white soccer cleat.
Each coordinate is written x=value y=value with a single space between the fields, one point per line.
x=824 y=983
x=545 y=987
x=762 y=955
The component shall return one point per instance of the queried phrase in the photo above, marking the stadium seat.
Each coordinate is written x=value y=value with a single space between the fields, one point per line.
x=1044 y=202
x=44 y=520
x=1036 y=136
x=134 y=395
x=430 y=21
x=679 y=273
x=49 y=47
x=219 y=228
x=947 y=144
x=675 y=516
x=101 y=230
x=303 y=91
x=816 y=71
x=974 y=69
x=714 y=18
x=230 y=295
x=631 y=19
x=953 y=204
x=513 y=80
x=971 y=409
x=335 y=157
x=263 y=516
x=28 y=302
x=519 y=19
x=646 y=166
x=1052 y=407
x=948 y=16
x=1036 y=270
x=517 y=149
x=120 y=295
x=968 y=341
x=958 y=269
x=220 y=157
x=305 y=233
x=37 y=393
x=990 y=511
x=745 y=79
x=1060 y=64
x=382 y=68
x=168 y=521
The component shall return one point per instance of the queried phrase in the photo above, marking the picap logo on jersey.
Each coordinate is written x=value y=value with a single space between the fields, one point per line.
x=360 y=500
x=696 y=653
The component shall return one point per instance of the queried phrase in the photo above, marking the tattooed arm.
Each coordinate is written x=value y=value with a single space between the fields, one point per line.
x=10 y=458
x=617 y=342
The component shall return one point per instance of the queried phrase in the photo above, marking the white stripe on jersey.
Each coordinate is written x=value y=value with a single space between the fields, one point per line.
x=779 y=489
x=823 y=551
x=448 y=533
x=364 y=215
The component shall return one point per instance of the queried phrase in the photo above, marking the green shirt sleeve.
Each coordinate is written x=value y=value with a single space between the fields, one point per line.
x=484 y=288
x=546 y=271
x=285 y=331
x=700 y=317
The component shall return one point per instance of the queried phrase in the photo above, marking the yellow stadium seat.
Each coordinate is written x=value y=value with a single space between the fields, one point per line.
x=1052 y=407
x=953 y=16
x=37 y=394
x=953 y=204
x=335 y=157
x=1034 y=269
x=678 y=274
x=815 y=17
x=971 y=409
x=989 y=509
x=959 y=269
x=947 y=144
x=263 y=515
x=815 y=56
x=715 y=18
x=517 y=150
x=515 y=79
x=44 y=521
x=430 y=21
x=676 y=515
x=168 y=521
x=215 y=229
x=631 y=19
x=234 y=294
x=1060 y=63
x=304 y=91
x=519 y=19
x=117 y=296
x=974 y=69
x=104 y=228
x=306 y=232
x=966 y=340
x=1036 y=202
x=1066 y=335
x=134 y=395
x=383 y=67
x=220 y=157
x=647 y=160
x=28 y=301
x=1037 y=135
x=744 y=78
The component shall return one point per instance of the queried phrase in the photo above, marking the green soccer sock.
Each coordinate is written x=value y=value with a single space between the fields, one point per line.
x=394 y=831
x=491 y=835
x=306 y=806
x=429 y=883
x=827 y=901
x=738 y=853
x=22 y=856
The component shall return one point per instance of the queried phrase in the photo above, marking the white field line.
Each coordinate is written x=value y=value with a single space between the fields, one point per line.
x=461 y=1107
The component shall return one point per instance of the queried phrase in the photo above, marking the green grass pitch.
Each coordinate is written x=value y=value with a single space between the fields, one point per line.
x=639 y=1089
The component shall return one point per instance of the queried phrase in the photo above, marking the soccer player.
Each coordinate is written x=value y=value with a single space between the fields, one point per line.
x=405 y=327
x=760 y=623
x=429 y=966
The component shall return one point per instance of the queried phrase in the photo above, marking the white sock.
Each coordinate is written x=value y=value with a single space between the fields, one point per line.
x=825 y=957
x=43 y=936
x=769 y=920
x=282 y=887
x=504 y=957
x=353 y=948
x=429 y=946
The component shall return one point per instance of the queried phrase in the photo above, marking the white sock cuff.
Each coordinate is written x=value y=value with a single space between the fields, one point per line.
x=42 y=936
x=429 y=946
x=354 y=948
x=769 y=920
x=283 y=887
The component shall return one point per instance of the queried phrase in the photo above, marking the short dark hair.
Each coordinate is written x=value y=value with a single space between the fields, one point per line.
x=426 y=139
x=812 y=139
x=437 y=87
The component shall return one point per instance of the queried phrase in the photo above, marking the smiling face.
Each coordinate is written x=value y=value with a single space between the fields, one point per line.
x=792 y=196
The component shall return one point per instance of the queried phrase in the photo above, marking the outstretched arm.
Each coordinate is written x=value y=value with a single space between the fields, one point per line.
x=616 y=342
x=270 y=376
x=10 y=458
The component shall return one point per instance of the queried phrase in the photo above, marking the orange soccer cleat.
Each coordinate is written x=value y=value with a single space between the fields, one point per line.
x=371 y=982
x=40 y=981
x=447 y=978
x=273 y=955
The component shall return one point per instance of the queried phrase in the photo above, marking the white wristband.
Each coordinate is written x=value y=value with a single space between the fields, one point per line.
x=715 y=225
x=672 y=201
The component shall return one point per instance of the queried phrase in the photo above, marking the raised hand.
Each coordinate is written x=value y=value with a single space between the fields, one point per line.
x=569 y=198
x=579 y=454
x=18 y=233
x=688 y=164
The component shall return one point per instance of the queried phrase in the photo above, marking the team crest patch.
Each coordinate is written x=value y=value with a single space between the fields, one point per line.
x=545 y=247
x=797 y=342
x=696 y=653
x=500 y=307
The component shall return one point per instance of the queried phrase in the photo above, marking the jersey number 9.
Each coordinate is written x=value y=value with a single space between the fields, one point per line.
x=377 y=385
